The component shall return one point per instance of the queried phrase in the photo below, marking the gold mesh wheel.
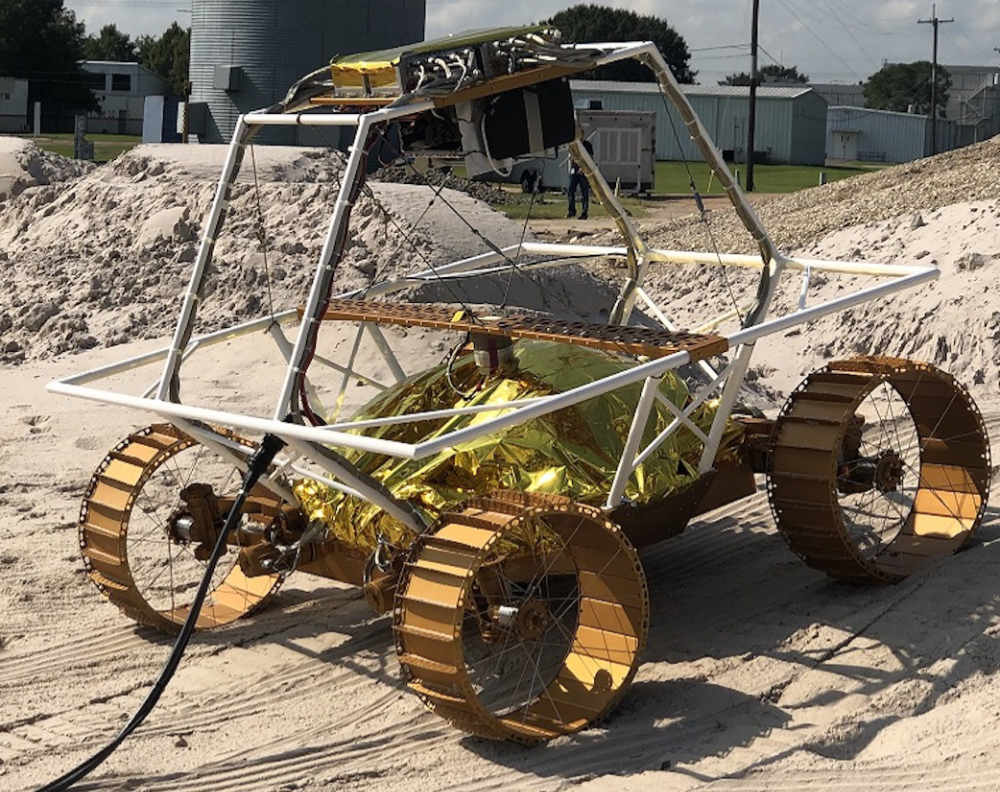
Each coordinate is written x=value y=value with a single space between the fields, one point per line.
x=522 y=617
x=128 y=548
x=878 y=466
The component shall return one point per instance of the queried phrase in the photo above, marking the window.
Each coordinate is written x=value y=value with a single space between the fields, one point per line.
x=94 y=80
x=121 y=82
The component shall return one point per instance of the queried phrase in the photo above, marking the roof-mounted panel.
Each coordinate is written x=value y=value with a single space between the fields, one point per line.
x=457 y=68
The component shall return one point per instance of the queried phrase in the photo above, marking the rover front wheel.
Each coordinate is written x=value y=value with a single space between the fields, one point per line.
x=521 y=617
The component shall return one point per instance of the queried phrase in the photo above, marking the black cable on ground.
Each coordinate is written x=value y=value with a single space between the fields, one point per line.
x=257 y=466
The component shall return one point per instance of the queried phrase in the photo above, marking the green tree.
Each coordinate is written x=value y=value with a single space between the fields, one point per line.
x=772 y=73
x=41 y=41
x=168 y=56
x=587 y=22
x=110 y=45
x=897 y=86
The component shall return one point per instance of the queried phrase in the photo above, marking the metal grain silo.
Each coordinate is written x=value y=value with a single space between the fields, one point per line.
x=246 y=53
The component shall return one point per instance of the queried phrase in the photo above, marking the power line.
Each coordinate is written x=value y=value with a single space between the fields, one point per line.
x=832 y=11
x=723 y=57
x=773 y=59
x=820 y=39
x=934 y=65
x=721 y=47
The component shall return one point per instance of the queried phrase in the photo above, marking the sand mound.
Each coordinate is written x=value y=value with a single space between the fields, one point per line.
x=24 y=165
x=489 y=192
x=941 y=211
x=953 y=322
x=105 y=258
x=100 y=259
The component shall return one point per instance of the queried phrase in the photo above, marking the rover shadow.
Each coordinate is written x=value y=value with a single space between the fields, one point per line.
x=657 y=725
x=735 y=594
x=302 y=622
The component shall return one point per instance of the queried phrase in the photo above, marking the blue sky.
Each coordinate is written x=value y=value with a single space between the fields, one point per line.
x=831 y=40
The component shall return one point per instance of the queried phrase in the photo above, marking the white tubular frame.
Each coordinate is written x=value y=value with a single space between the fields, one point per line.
x=310 y=443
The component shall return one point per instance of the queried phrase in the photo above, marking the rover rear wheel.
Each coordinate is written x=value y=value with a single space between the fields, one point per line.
x=521 y=617
x=878 y=466
x=144 y=538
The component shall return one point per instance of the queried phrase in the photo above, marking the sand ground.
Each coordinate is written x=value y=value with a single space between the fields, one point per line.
x=760 y=674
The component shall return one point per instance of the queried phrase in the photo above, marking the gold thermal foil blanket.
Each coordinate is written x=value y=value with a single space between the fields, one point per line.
x=573 y=452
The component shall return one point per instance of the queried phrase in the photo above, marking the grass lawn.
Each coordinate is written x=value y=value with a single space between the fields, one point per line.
x=672 y=177
x=554 y=206
x=106 y=147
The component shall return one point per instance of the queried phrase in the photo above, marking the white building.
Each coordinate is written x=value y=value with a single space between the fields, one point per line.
x=968 y=84
x=860 y=134
x=14 y=105
x=121 y=90
x=791 y=120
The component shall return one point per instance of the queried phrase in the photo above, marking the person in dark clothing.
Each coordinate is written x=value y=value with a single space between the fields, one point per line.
x=578 y=179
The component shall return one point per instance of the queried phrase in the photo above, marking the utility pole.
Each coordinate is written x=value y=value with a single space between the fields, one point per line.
x=752 y=118
x=936 y=23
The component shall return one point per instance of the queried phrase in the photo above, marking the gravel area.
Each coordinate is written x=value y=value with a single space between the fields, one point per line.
x=797 y=219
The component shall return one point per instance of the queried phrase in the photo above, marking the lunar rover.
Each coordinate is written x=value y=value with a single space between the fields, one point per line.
x=494 y=505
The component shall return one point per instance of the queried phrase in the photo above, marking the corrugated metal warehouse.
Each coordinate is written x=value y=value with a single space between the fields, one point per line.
x=857 y=133
x=791 y=121
x=245 y=54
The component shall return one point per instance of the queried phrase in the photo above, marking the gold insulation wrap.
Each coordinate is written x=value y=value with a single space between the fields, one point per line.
x=573 y=452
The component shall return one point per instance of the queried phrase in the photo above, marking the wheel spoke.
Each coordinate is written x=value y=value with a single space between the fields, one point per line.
x=873 y=518
x=165 y=572
x=896 y=467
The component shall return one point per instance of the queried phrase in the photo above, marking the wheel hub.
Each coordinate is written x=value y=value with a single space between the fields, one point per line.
x=529 y=621
x=889 y=472
x=533 y=619
x=180 y=527
x=197 y=518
